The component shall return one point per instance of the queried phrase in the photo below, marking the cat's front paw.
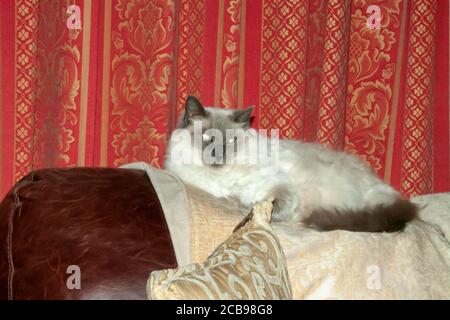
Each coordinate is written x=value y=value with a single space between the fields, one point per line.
x=285 y=203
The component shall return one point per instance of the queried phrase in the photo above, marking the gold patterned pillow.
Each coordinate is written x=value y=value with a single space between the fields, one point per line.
x=249 y=265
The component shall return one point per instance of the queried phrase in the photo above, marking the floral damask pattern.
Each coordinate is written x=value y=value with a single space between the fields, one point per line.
x=370 y=82
x=371 y=101
x=110 y=92
x=142 y=67
x=53 y=143
x=56 y=106
x=47 y=92
x=141 y=144
x=230 y=67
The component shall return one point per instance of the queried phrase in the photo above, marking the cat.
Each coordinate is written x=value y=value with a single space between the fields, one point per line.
x=319 y=187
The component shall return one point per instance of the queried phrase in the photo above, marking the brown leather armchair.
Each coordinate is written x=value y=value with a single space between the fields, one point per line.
x=106 y=222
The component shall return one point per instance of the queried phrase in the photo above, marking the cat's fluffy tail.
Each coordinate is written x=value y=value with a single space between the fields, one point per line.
x=381 y=218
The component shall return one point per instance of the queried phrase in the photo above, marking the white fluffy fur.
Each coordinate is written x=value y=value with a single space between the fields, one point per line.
x=310 y=176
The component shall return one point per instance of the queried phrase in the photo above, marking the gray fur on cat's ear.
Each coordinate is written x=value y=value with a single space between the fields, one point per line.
x=243 y=116
x=193 y=108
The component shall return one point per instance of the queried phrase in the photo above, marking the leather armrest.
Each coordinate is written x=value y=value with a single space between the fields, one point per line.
x=108 y=222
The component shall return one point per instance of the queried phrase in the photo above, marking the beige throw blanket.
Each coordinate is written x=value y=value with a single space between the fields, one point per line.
x=414 y=264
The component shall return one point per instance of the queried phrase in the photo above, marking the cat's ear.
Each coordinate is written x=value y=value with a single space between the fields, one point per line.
x=193 y=108
x=243 y=116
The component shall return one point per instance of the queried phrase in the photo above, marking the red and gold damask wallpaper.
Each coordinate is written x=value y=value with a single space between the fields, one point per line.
x=109 y=93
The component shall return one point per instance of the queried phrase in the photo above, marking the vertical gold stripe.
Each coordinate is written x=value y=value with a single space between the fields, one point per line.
x=105 y=88
x=394 y=108
x=219 y=54
x=84 y=81
x=242 y=54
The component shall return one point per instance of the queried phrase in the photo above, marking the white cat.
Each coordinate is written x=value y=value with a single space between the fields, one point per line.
x=324 y=189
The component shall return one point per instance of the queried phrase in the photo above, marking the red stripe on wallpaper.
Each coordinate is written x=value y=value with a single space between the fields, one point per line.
x=402 y=62
x=7 y=20
x=85 y=79
x=441 y=128
x=398 y=86
x=106 y=59
x=283 y=61
x=25 y=81
x=242 y=54
x=209 y=54
x=253 y=53
x=219 y=52
x=331 y=129
x=1 y=107
x=98 y=90
x=189 y=42
x=94 y=74
x=314 y=59
x=417 y=153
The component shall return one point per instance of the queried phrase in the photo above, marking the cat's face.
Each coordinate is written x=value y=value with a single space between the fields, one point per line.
x=219 y=130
